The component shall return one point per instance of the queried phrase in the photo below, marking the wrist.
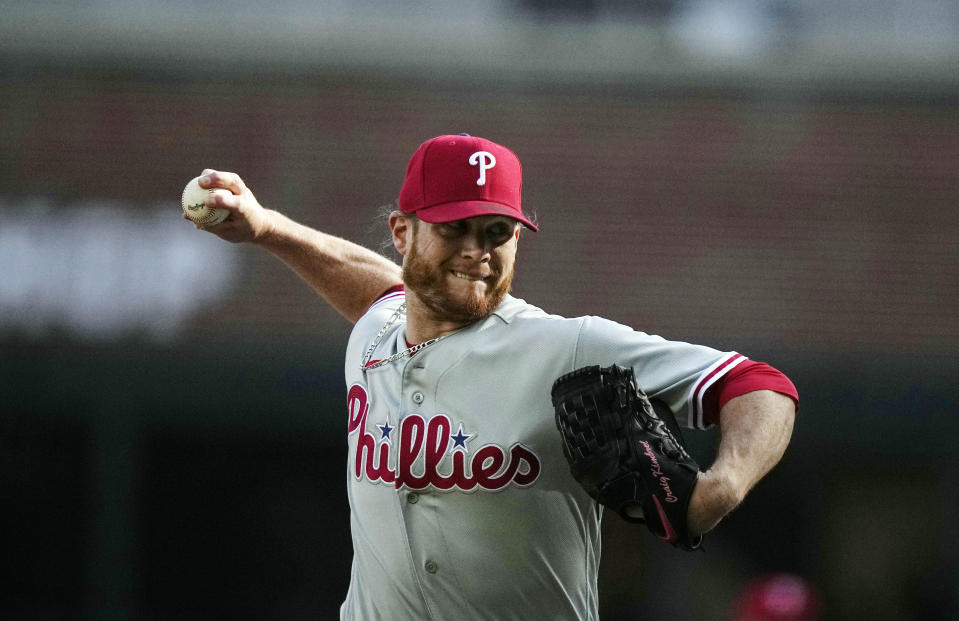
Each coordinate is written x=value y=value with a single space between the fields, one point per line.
x=715 y=495
x=266 y=231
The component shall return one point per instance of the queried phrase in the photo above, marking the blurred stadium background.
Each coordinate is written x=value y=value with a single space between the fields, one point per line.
x=774 y=177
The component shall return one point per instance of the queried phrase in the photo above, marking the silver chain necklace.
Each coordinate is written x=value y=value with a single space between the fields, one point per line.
x=366 y=366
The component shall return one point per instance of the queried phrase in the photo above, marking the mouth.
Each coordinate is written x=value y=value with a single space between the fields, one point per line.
x=471 y=277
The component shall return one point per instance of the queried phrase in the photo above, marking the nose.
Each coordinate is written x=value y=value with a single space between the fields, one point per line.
x=476 y=247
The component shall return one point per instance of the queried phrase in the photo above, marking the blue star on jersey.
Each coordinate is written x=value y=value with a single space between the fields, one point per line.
x=459 y=439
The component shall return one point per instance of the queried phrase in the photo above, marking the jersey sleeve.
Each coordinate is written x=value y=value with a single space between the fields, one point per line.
x=389 y=293
x=748 y=376
x=675 y=372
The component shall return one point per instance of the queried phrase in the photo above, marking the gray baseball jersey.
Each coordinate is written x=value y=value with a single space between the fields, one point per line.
x=462 y=505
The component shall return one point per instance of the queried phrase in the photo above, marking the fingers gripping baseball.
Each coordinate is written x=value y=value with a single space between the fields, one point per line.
x=247 y=219
x=226 y=180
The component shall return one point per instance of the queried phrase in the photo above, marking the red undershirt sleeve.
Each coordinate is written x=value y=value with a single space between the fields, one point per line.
x=747 y=376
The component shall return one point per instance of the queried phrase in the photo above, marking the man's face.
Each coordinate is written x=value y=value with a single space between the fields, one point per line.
x=462 y=270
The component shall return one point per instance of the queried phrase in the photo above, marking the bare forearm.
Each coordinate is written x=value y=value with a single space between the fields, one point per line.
x=755 y=429
x=348 y=276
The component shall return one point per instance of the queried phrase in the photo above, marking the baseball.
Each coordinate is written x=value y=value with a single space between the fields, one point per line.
x=196 y=210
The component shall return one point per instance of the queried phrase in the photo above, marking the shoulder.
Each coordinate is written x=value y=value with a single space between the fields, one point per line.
x=522 y=317
x=392 y=297
x=380 y=311
x=372 y=322
x=514 y=309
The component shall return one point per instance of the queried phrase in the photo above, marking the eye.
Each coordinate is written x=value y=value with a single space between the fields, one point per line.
x=499 y=232
x=452 y=229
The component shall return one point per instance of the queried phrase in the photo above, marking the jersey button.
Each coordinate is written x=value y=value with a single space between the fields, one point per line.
x=413 y=498
x=418 y=398
x=431 y=567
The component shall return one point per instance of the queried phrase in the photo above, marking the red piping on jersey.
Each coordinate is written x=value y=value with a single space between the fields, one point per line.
x=389 y=293
x=701 y=415
x=747 y=376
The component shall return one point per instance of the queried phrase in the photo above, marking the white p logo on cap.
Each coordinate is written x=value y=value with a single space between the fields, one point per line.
x=485 y=160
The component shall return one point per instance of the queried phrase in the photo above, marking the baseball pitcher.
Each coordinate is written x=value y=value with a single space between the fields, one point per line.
x=487 y=436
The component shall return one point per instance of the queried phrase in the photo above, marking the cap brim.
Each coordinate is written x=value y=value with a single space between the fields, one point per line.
x=450 y=212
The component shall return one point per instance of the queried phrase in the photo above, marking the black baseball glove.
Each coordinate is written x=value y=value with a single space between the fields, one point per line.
x=624 y=452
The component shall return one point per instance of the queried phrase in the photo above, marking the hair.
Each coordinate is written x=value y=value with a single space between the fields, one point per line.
x=382 y=221
x=532 y=217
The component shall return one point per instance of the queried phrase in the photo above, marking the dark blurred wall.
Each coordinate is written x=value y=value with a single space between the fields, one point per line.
x=202 y=477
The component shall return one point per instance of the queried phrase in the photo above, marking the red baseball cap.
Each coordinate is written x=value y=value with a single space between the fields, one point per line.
x=452 y=177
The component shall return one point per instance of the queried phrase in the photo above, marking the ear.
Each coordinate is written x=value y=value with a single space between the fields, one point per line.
x=402 y=230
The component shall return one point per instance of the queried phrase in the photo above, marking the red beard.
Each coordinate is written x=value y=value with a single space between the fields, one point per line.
x=430 y=285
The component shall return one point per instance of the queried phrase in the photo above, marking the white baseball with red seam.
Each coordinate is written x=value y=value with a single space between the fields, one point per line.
x=196 y=210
